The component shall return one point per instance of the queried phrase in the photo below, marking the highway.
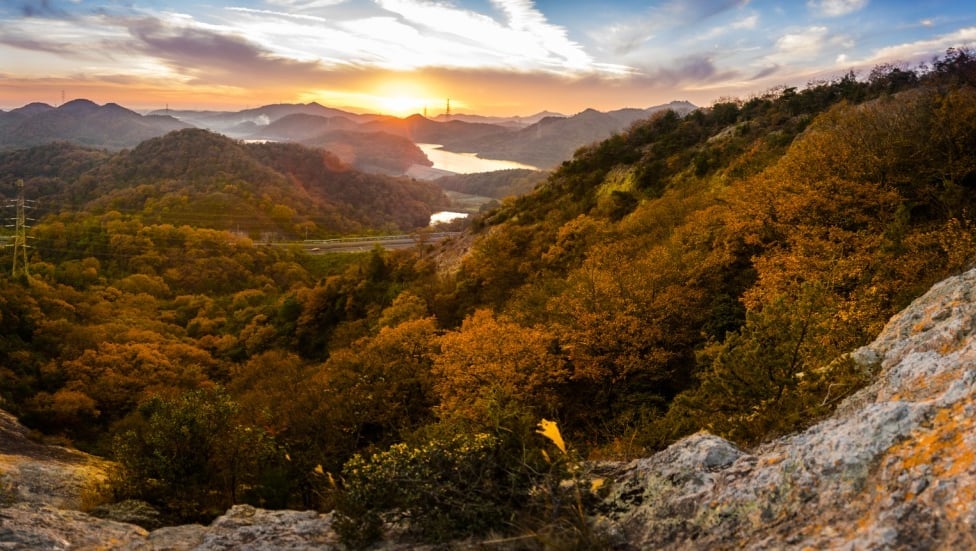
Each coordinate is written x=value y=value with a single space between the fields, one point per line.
x=366 y=243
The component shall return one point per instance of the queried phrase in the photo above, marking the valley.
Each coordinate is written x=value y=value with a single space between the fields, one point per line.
x=255 y=317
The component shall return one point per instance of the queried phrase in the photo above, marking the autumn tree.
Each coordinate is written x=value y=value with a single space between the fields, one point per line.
x=492 y=360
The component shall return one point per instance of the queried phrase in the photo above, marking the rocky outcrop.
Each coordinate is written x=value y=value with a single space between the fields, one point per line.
x=29 y=526
x=41 y=473
x=894 y=468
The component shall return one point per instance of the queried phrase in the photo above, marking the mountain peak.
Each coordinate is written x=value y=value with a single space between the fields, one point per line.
x=78 y=106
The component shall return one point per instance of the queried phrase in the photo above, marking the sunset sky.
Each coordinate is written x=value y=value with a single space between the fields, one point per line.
x=493 y=57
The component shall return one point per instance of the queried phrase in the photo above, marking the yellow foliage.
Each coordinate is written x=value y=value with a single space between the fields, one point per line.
x=550 y=430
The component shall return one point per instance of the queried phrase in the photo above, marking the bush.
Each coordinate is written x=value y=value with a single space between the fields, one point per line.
x=444 y=489
x=509 y=480
x=190 y=456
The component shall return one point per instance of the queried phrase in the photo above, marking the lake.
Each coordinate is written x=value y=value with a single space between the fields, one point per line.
x=465 y=163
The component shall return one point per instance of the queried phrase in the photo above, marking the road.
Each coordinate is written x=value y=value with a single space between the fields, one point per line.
x=361 y=244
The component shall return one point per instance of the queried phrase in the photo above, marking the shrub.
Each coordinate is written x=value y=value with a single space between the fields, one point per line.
x=444 y=489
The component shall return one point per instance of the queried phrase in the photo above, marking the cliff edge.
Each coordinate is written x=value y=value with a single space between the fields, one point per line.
x=893 y=468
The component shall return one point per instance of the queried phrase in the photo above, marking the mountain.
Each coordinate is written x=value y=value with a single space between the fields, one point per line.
x=230 y=122
x=544 y=139
x=365 y=151
x=301 y=126
x=498 y=184
x=418 y=129
x=553 y=140
x=374 y=152
x=511 y=122
x=83 y=122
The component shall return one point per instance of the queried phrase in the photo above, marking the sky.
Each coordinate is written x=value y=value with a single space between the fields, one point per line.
x=490 y=57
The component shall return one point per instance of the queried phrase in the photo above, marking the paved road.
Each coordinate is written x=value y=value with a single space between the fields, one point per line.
x=360 y=244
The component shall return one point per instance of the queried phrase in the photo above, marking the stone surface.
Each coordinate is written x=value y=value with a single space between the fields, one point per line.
x=894 y=468
x=42 y=473
x=33 y=526
x=131 y=511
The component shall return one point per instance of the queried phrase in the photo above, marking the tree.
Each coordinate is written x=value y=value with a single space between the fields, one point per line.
x=495 y=359
x=190 y=455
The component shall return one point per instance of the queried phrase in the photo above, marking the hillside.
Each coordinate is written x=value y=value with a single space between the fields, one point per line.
x=498 y=184
x=82 y=122
x=374 y=152
x=897 y=455
x=206 y=180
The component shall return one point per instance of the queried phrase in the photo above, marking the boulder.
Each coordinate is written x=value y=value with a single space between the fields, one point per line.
x=35 y=472
x=893 y=468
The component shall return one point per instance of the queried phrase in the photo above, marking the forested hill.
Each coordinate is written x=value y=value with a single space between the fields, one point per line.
x=204 y=179
x=706 y=271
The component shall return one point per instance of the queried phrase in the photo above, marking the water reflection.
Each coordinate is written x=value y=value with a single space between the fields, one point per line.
x=465 y=163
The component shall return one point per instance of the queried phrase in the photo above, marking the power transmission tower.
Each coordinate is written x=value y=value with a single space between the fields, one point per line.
x=20 y=231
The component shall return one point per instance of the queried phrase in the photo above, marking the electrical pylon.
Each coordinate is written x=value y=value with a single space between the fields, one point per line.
x=20 y=233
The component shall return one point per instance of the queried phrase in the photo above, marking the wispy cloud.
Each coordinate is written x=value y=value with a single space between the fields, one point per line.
x=836 y=8
x=524 y=40
x=922 y=50
x=211 y=57
x=671 y=18
x=40 y=8
x=804 y=44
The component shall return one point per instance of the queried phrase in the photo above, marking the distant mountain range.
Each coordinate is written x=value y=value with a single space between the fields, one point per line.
x=543 y=140
x=373 y=143
x=83 y=122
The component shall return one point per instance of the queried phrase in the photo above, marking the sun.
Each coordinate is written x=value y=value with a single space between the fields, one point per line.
x=400 y=106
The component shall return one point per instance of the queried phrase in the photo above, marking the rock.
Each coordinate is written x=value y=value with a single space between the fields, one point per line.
x=131 y=511
x=32 y=526
x=42 y=473
x=894 y=468
x=246 y=527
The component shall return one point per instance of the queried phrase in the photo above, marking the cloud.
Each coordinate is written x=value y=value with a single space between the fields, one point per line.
x=805 y=44
x=747 y=23
x=305 y=4
x=922 y=50
x=766 y=72
x=670 y=18
x=524 y=41
x=836 y=8
x=11 y=37
x=525 y=18
x=212 y=57
x=40 y=8
x=698 y=69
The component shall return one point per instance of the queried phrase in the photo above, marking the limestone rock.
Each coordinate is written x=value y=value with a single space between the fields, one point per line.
x=245 y=527
x=894 y=468
x=33 y=526
x=42 y=473
x=131 y=511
